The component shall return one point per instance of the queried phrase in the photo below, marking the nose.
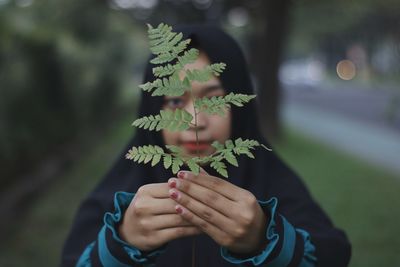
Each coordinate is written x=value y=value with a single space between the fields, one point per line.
x=199 y=121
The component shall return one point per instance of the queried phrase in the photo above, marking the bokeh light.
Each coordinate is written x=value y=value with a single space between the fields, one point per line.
x=238 y=17
x=346 y=70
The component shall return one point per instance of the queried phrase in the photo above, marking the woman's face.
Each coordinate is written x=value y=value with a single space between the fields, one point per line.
x=209 y=127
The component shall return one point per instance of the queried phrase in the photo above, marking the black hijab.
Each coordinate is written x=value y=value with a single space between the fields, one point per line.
x=219 y=47
x=266 y=176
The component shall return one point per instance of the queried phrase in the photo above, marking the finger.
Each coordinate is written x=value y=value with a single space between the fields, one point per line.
x=215 y=233
x=168 y=234
x=204 y=212
x=165 y=221
x=157 y=190
x=203 y=171
x=153 y=206
x=203 y=194
x=214 y=183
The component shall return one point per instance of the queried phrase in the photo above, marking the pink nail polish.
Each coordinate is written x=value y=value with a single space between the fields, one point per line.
x=172 y=184
x=178 y=209
x=174 y=194
x=182 y=174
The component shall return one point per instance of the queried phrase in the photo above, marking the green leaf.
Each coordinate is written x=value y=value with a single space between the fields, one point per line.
x=145 y=154
x=167 y=119
x=231 y=158
x=167 y=161
x=217 y=105
x=220 y=167
x=148 y=158
x=176 y=164
x=163 y=71
x=187 y=116
x=156 y=159
x=165 y=44
x=188 y=57
x=217 y=145
x=193 y=166
x=141 y=158
x=159 y=150
x=174 y=149
x=178 y=114
x=229 y=144
x=249 y=154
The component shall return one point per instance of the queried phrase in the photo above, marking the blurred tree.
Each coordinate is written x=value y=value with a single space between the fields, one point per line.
x=268 y=43
x=62 y=67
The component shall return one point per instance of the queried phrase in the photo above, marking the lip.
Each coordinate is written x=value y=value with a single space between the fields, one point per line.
x=194 y=146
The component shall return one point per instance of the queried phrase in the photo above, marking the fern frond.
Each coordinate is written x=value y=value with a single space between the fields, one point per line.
x=238 y=99
x=176 y=150
x=193 y=165
x=165 y=44
x=167 y=161
x=171 y=56
x=162 y=71
x=149 y=86
x=217 y=104
x=177 y=120
x=203 y=75
x=188 y=57
x=145 y=154
x=176 y=164
x=230 y=149
x=220 y=167
x=172 y=86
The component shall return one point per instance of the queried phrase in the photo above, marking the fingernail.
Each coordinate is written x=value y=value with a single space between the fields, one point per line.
x=182 y=174
x=172 y=183
x=173 y=194
x=179 y=210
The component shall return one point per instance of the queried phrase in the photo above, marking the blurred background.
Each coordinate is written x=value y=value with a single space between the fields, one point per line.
x=327 y=75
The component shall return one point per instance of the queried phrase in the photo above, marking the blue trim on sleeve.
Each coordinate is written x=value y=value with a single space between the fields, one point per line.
x=106 y=258
x=84 y=259
x=289 y=241
x=121 y=202
x=271 y=235
x=309 y=259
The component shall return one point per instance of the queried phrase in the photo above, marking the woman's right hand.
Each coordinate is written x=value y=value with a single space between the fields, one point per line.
x=151 y=219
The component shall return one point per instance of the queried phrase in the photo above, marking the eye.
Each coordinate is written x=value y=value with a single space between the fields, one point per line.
x=173 y=103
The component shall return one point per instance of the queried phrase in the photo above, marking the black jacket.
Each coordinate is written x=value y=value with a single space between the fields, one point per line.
x=266 y=176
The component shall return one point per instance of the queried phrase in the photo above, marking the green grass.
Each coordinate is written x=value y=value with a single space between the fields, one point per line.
x=41 y=234
x=360 y=199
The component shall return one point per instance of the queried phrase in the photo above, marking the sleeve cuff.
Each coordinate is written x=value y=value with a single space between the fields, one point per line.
x=113 y=251
x=309 y=259
x=271 y=234
x=285 y=245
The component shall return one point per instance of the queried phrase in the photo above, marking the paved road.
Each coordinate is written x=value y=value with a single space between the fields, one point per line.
x=353 y=120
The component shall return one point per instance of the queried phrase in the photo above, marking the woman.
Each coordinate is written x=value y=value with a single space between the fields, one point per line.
x=158 y=223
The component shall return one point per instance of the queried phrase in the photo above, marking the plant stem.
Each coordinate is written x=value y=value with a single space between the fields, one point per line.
x=198 y=155
x=195 y=123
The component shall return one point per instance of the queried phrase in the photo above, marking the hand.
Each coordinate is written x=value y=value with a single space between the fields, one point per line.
x=151 y=219
x=228 y=214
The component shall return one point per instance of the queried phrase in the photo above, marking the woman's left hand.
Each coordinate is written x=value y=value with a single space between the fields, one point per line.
x=227 y=213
